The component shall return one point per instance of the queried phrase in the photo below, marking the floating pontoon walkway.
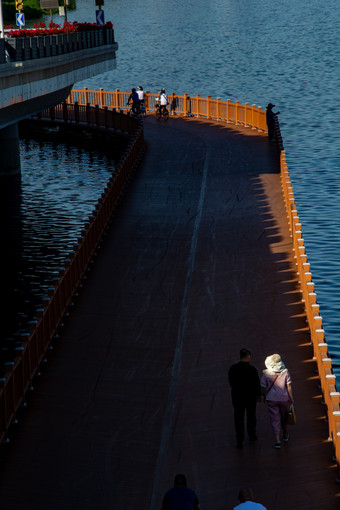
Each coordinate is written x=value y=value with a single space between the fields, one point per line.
x=196 y=264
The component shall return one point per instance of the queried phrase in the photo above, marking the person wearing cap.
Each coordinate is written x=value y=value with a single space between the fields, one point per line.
x=277 y=391
x=180 y=497
x=245 y=393
x=270 y=117
x=246 y=499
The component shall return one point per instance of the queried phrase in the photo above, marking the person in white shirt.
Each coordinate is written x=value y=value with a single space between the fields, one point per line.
x=141 y=95
x=247 y=502
x=163 y=99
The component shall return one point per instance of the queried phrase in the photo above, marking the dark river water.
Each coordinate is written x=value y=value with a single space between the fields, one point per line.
x=43 y=213
x=285 y=52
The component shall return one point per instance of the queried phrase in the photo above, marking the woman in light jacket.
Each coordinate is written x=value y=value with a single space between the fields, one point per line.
x=277 y=392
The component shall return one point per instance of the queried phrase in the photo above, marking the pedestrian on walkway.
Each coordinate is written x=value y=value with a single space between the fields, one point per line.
x=180 y=497
x=270 y=118
x=245 y=392
x=277 y=392
x=246 y=499
x=133 y=97
x=163 y=99
x=141 y=96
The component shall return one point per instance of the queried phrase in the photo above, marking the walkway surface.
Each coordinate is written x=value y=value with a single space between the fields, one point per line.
x=196 y=265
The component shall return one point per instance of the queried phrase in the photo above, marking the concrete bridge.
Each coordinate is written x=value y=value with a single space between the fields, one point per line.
x=35 y=76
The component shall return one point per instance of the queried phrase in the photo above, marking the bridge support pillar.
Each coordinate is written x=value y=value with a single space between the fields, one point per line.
x=9 y=150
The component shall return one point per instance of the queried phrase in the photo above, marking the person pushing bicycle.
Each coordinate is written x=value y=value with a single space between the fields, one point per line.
x=141 y=95
x=163 y=100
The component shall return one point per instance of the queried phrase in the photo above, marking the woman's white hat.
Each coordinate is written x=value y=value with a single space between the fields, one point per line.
x=274 y=363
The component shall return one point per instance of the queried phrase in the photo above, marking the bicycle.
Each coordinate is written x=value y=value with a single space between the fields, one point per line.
x=134 y=111
x=142 y=109
x=161 y=111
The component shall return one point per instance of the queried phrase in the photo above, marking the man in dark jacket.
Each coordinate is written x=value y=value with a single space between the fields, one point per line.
x=245 y=392
x=270 y=118
x=135 y=101
x=180 y=497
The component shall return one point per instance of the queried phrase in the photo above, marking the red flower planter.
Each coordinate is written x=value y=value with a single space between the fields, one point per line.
x=40 y=42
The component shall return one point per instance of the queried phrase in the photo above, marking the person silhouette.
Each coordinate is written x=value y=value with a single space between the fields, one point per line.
x=180 y=497
x=135 y=101
x=270 y=118
x=246 y=499
x=245 y=392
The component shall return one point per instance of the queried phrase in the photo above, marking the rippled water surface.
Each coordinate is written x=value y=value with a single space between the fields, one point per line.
x=284 y=52
x=46 y=211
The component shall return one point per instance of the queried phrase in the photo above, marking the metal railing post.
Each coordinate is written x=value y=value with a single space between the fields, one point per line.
x=208 y=102
x=246 y=123
x=237 y=106
x=101 y=98
x=86 y=99
x=198 y=105
x=65 y=111
x=185 y=105
x=76 y=112
x=116 y=96
x=218 y=108
x=172 y=104
x=88 y=113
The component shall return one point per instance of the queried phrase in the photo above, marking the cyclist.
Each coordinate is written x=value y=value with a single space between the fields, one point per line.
x=135 y=101
x=141 y=95
x=163 y=100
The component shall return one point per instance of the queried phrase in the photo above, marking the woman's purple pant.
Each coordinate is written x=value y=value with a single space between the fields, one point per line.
x=278 y=415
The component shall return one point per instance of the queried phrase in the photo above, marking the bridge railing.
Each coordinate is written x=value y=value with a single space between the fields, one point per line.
x=331 y=395
x=195 y=106
x=91 y=116
x=19 y=374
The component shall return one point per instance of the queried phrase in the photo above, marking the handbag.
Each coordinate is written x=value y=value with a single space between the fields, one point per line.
x=291 y=415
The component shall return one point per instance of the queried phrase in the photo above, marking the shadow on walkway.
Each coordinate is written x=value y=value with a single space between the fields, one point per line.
x=196 y=265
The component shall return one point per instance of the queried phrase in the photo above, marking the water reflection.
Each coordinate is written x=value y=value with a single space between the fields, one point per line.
x=42 y=215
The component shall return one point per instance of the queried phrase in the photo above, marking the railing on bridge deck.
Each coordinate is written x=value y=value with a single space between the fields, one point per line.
x=28 y=48
x=19 y=377
x=91 y=116
x=197 y=106
x=331 y=396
